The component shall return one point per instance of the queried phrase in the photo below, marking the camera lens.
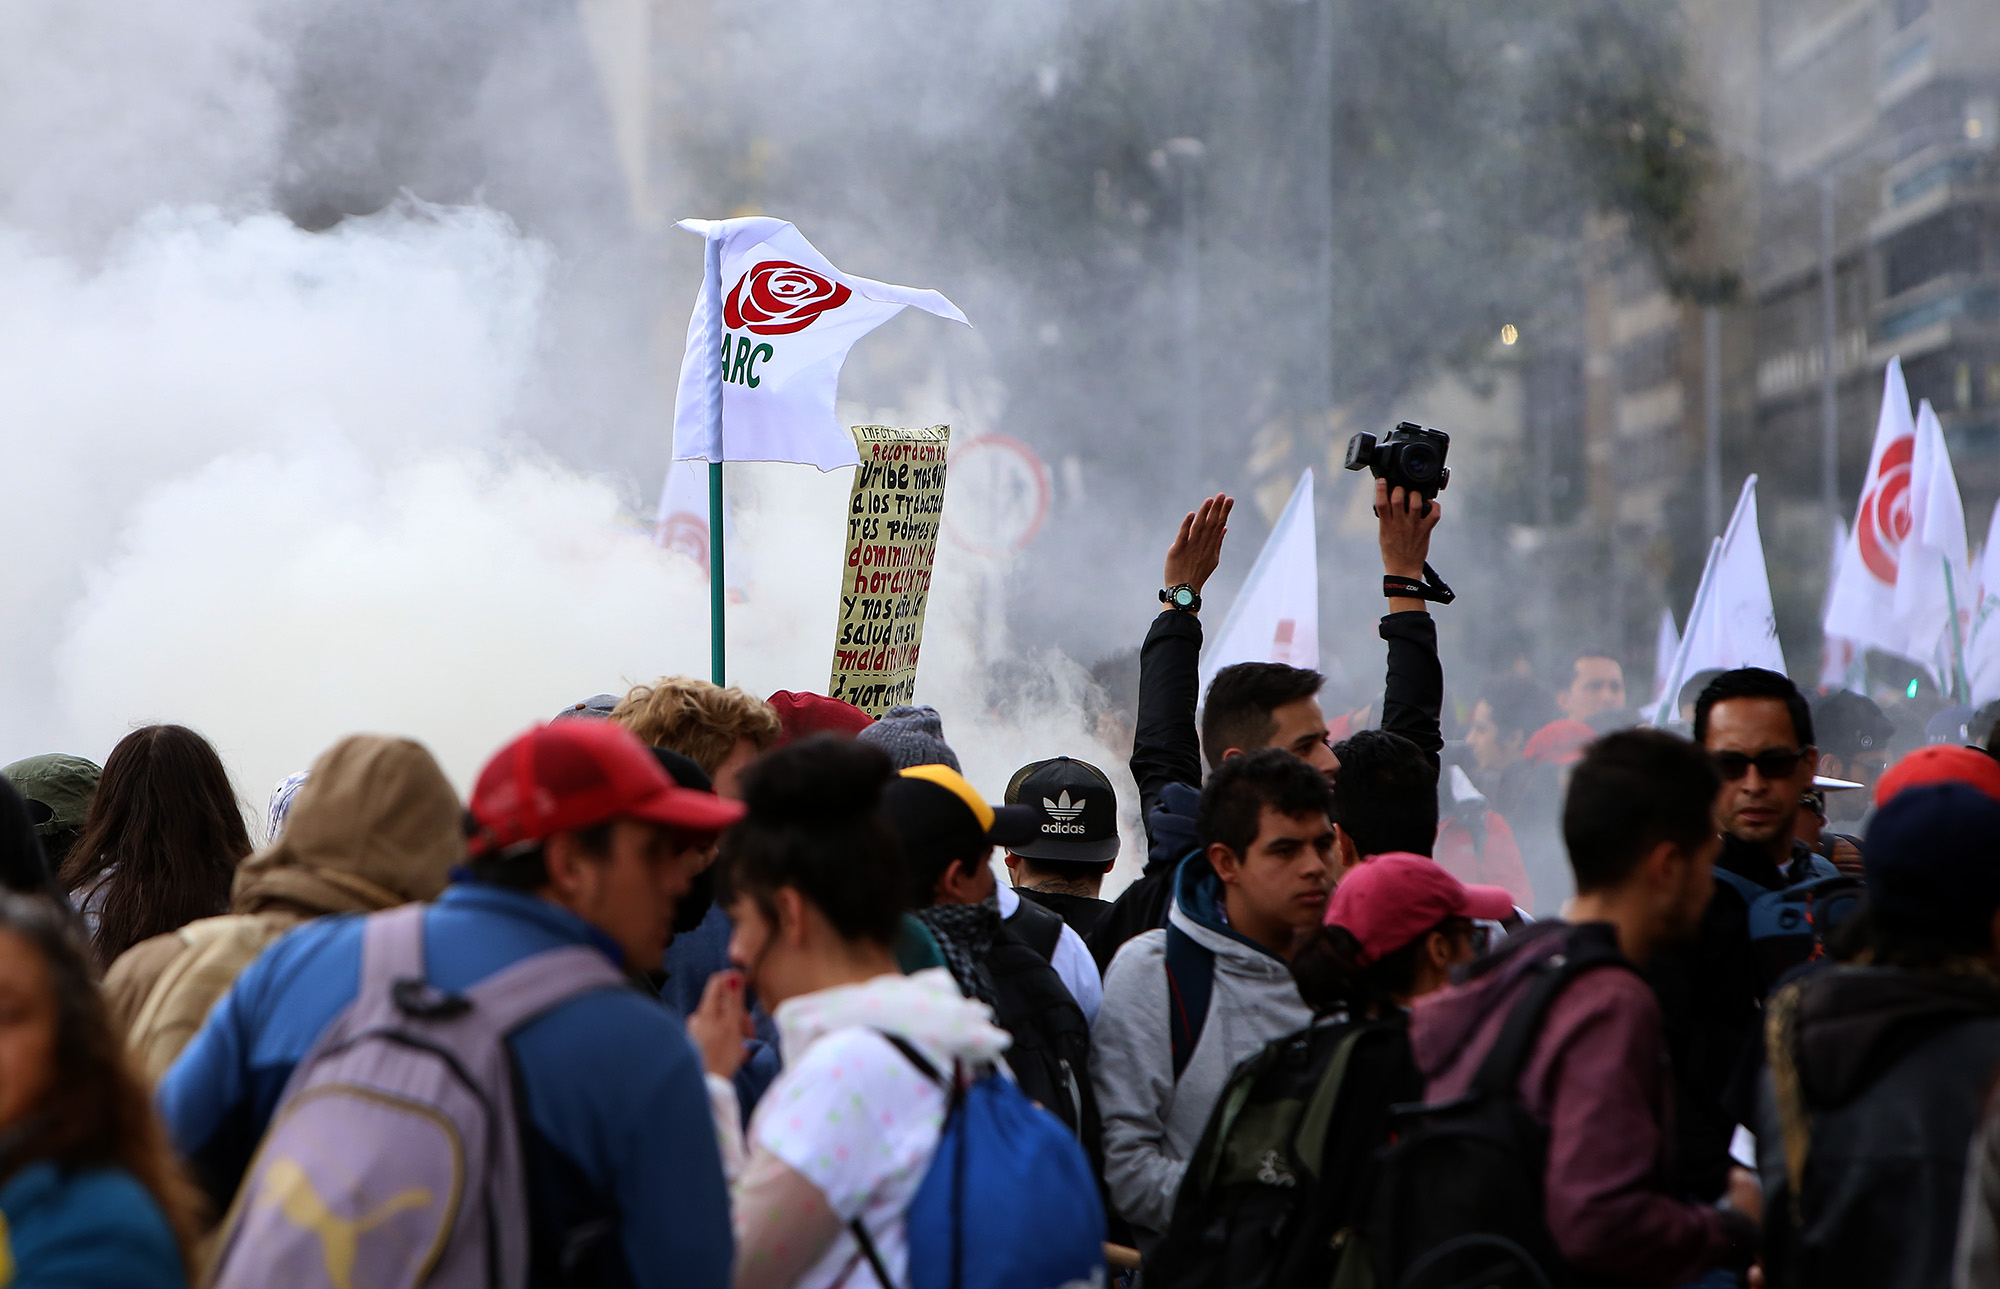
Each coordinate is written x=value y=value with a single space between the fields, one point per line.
x=1420 y=463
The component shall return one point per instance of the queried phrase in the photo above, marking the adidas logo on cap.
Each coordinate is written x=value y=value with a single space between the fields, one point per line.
x=1064 y=812
x=1062 y=809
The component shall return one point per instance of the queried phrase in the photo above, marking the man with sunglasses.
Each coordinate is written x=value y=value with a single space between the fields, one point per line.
x=1757 y=730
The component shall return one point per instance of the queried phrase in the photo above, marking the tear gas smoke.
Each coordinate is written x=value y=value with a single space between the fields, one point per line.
x=282 y=485
x=336 y=338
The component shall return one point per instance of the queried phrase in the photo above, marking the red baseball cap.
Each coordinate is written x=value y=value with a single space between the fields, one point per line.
x=801 y=715
x=575 y=774
x=1940 y=763
x=1389 y=900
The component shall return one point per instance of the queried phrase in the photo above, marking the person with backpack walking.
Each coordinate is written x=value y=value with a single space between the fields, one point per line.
x=1276 y=1193
x=947 y=834
x=90 y=1195
x=1544 y=1135
x=324 y=1093
x=376 y=825
x=1183 y=1005
x=1878 y=1069
x=161 y=843
x=866 y=1164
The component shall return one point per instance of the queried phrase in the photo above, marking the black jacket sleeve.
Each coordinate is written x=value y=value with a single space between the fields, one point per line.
x=1165 y=747
x=1413 y=695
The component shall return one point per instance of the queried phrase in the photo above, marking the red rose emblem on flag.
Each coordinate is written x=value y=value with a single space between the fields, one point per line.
x=1884 y=520
x=777 y=298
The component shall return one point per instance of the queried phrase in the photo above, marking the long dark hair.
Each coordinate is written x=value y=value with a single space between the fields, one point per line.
x=167 y=821
x=97 y=1112
x=1332 y=978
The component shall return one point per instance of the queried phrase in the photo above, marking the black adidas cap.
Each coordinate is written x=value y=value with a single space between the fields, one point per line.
x=1075 y=808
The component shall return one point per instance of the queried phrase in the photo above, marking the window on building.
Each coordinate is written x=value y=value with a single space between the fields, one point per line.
x=1947 y=242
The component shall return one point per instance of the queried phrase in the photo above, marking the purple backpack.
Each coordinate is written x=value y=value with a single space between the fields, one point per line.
x=393 y=1159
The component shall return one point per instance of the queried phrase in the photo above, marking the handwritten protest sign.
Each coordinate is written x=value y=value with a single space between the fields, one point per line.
x=892 y=531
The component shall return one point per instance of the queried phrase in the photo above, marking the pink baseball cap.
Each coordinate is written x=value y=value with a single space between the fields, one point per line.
x=1389 y=900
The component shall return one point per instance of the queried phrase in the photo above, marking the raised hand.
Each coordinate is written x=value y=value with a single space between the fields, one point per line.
x=1197 y=548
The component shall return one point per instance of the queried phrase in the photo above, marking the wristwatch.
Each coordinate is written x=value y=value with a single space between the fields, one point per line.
x=1183 y=598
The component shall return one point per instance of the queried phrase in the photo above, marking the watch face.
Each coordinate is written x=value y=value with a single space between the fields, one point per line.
x=1183 y=597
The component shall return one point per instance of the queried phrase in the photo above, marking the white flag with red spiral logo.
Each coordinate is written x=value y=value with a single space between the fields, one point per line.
x=787 y=319
x=1862 y=606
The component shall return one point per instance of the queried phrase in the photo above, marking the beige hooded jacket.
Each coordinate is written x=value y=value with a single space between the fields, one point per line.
x=376 y=825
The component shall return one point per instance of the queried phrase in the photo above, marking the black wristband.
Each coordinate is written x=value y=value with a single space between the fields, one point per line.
x=1432 y=588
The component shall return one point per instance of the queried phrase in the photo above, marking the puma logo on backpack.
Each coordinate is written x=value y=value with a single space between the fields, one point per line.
x=287 y=1186
x=394 y=1158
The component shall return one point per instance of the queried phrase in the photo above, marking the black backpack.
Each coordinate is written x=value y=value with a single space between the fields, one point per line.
x=1272 y=1192
x=1458 y=1196
x=1050 y=1054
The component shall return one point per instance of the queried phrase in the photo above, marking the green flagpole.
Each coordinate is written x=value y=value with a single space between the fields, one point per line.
x=712 y=284
x=715 y=579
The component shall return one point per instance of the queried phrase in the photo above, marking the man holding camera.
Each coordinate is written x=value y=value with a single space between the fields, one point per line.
x=1258 y=705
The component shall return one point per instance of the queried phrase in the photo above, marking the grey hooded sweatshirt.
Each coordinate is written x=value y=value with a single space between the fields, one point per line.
x=1152 y=1123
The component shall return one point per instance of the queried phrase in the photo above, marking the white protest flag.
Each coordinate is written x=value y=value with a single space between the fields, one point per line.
x=682 y=522
x=1664 y=649
x=780 y=319
x=1841 y=665
x=1982 y=649
x=1862 y=606
x=1276 y=614
x=1731 y=624
x=1932 y=578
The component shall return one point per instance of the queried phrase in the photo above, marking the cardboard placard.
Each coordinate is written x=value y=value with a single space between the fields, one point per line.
x=893 y=514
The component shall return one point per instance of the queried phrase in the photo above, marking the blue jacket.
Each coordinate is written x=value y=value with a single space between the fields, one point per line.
x=93 y=1229
x=615 y=1119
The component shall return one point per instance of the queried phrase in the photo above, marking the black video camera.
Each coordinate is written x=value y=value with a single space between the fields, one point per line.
x=1409 y=456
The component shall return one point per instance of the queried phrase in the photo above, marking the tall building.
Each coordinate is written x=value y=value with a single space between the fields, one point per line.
x=1858 y=206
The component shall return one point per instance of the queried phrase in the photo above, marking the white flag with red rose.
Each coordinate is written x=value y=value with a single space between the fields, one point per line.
x=788 y=319
x=1862 y=606
x=1276 y=615
x=1933 y=584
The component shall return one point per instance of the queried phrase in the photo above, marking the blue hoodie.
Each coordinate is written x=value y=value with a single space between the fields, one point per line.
x=95 y=1228
x=616 y=1118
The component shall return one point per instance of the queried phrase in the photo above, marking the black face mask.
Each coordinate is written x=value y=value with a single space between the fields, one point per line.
x=695 y=904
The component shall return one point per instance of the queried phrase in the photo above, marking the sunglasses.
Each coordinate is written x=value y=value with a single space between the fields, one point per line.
x=1772 y=763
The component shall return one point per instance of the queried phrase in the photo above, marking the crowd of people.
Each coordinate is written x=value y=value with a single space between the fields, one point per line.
x=703 y=989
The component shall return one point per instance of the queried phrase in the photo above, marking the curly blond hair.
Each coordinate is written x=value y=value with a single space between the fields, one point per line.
x=701 y=721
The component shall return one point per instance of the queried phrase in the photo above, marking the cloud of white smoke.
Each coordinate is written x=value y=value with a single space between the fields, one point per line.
x=282 y=485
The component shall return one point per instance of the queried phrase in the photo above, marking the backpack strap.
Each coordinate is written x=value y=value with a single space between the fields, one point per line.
x=1039 y=928
x=1310 y=1139
x=924 y=1067
x=1500 y=1073
x=1190 y=981
x=516 y=994
x=868 y=1251
x=1751 y=891
x=916 y=1058
x=392 y=951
